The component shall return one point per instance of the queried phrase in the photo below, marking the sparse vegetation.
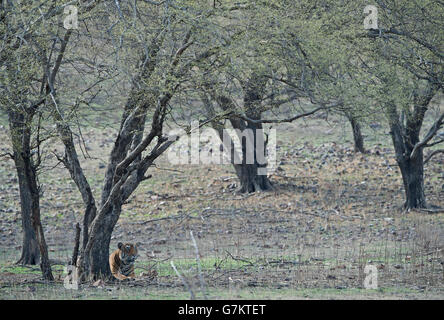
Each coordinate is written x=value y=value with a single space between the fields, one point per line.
x=86 y=119
x=308 y=238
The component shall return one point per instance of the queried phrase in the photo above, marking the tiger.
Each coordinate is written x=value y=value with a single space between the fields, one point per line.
x=121 y=261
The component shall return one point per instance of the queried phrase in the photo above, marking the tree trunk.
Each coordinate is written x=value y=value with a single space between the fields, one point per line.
x=248 y=174
x=250 y=181
x=119 y=185
x=29 y=194
x=405 y=135
x=99 y=252
x=19 y=134
x=30 y=248
x=357 y=134
x=249 y=169
x=93 y=262
x=412 y=171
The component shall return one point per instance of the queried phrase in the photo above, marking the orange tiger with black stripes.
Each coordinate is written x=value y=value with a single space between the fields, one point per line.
x=121 y=261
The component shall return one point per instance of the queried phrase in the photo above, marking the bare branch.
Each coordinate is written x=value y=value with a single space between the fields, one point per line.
x=7 y=155
x=429 y=136
x=302 y=115
x=433 y=154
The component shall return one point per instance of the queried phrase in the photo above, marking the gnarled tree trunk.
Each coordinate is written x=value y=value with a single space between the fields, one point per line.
x=405 y=128
x=126 y=170
x=96 y=253
x=358 y=139
x=251 y=166
x=251 y=180
x=412 y=171
x=34 y=245
x=21 y=137
x=411 y=168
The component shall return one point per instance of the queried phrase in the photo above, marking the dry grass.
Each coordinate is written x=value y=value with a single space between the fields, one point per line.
x=331 y=213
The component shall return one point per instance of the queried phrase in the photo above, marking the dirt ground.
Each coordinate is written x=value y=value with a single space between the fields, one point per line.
x=331 y=213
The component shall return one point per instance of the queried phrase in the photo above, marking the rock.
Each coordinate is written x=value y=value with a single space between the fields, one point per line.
x=158 y=241
x=151 y=274
x=375 y=126
x=30 y=289
x=99 y=284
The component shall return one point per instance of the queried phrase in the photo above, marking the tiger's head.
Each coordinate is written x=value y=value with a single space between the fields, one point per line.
x=128 y=252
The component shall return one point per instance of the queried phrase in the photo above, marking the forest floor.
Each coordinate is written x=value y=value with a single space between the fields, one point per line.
x=331 y=213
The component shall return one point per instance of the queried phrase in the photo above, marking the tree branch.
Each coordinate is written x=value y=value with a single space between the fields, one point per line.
x=302 y=115
x=429 y=136
x=433 y=154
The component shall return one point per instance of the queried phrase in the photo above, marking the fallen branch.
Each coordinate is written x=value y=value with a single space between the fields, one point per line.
x=239 y=259
x=432 y=210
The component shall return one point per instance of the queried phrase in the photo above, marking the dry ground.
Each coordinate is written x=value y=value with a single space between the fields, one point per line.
x=331 y=213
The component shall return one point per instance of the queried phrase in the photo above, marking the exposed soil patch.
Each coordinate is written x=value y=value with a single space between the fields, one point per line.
x=331 y=213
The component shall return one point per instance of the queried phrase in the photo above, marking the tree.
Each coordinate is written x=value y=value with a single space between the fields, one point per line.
x=265 y=69
x=251 y=160
x=31 y=56
x=412 y=42
x=20 y=131
x=156 y=30
x=26 y=62
x=397 y=69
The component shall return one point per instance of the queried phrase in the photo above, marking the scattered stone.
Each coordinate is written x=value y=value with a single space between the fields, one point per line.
x=30 y=289
x=99 y=284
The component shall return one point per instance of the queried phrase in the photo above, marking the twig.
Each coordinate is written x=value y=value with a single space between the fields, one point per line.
x=432 y=132
x=239 y=259
x=201 y=279
x=432 y=210
x=193 y=297
x=167 y=169
x=164 y=218
x=432 y=154
x=7 y=155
